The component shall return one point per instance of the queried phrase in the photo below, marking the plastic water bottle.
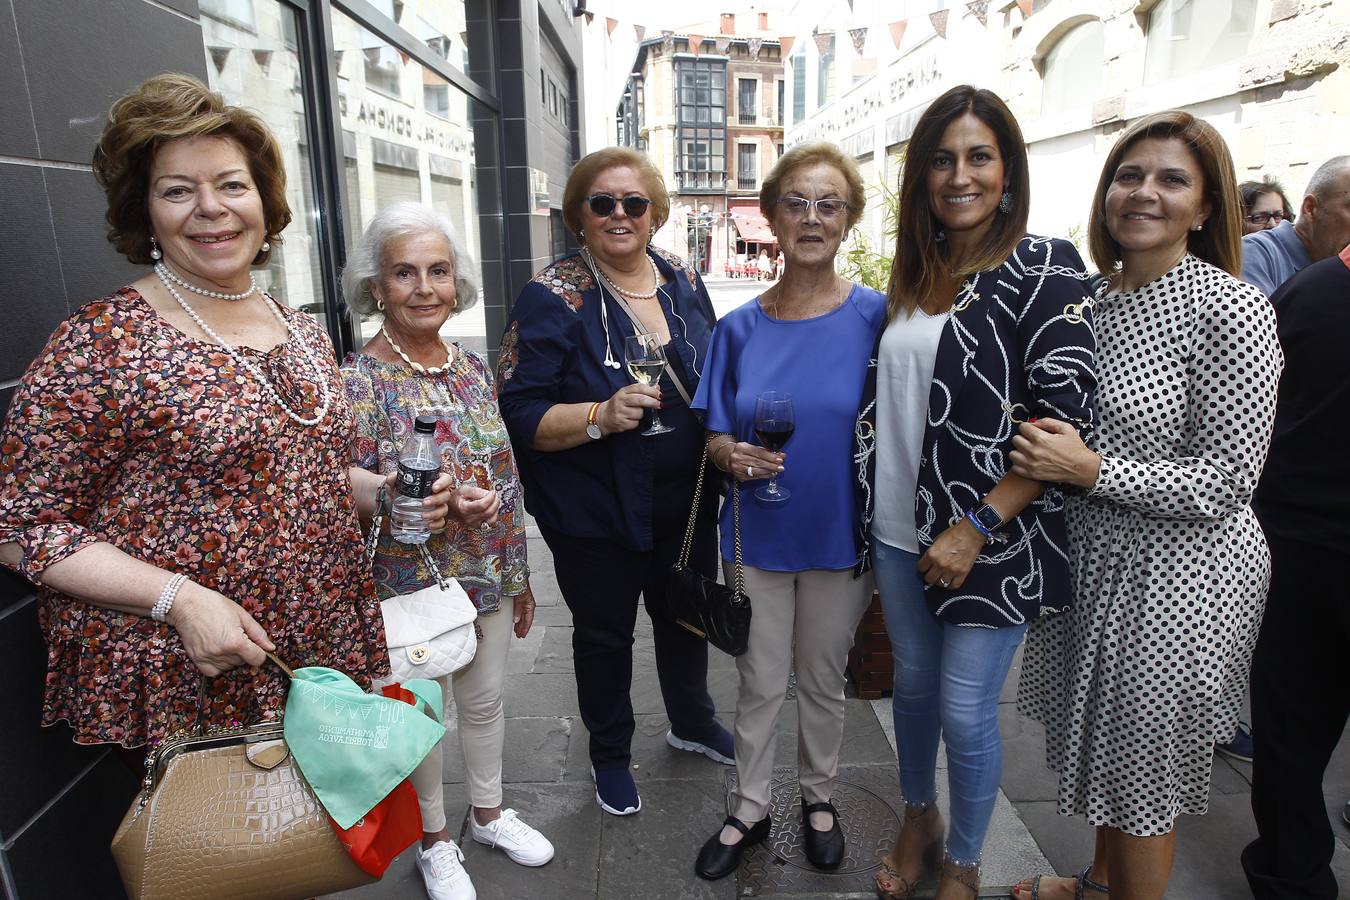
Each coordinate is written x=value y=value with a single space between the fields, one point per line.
x=419 y=464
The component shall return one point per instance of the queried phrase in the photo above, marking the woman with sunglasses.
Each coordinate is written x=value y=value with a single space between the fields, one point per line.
x=610 y=501
x=808 y=336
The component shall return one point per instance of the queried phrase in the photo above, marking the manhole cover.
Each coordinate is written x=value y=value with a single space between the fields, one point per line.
x=870 y=826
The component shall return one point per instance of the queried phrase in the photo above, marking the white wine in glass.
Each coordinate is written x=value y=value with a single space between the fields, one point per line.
x=645 y=359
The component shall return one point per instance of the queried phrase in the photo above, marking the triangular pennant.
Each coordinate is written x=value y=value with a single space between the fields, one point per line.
x=939 y=20
x=754 y=47
x=722 y=43
x=590 y=17
x=824 y=40
x=859 y=36
x=668 y=40
x=611 y=24
x=980 y=10
x=898 y=32
x=403 y=56
x=786 y=43
x=1025 y=7
x=640 y=31
x=695 y=43
x=219 y=55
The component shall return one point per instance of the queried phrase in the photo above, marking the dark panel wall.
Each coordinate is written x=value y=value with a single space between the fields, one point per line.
x=61 y=67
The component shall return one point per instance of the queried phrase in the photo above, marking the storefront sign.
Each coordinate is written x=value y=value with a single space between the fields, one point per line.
x=378 y=115
x=891 y=89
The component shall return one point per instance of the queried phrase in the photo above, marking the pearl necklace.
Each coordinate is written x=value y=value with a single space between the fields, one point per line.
x=246 y=363
x=416 y=366
x=164 y=272
x=631 y=295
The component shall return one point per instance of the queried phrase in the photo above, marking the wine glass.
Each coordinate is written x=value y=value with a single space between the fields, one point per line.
x=645 y=359
x=774 y=424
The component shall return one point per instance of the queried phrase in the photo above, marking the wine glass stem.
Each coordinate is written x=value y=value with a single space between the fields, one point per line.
x=656 y=420
x=773 y=483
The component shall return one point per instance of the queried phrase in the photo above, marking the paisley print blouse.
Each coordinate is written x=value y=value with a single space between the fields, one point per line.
x=488 y=562
x=125 y=430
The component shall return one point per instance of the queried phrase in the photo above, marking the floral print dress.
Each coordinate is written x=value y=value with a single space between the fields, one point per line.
x=127 y=431
x=489 y=562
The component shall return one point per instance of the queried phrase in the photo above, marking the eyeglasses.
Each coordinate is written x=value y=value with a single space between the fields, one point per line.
x=828 y=208
x=634 y=207
x=1265 y=217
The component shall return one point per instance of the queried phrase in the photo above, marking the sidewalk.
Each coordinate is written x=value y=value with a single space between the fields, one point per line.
x=651 y=854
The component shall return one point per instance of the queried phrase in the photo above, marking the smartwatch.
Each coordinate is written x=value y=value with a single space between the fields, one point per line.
x=987 y=521
x=592 y=426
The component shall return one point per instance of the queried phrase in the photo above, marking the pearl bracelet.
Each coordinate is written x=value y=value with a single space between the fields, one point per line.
x=160 y=611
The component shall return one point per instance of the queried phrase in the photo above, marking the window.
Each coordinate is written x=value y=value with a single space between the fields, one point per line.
x=1186 y=36
x=701 y=124
x=778 y=110
x=382 y=65
x=825 y=75
x=798 y=88
x=747 y=109
x=1071 y=71
x=747 y=165
x=235 y=12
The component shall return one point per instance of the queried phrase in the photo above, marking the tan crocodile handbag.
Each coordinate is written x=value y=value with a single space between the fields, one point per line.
x=226 y=814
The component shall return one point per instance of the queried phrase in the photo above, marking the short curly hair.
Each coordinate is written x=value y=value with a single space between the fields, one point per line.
x=589 y=167
x=804 y=156
x=403 y=219
x=168 y=108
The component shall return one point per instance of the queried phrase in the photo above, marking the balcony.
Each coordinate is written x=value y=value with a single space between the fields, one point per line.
x=701 y=182
x=746 y=182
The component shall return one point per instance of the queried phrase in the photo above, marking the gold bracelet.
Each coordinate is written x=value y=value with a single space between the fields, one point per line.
x=712 y=451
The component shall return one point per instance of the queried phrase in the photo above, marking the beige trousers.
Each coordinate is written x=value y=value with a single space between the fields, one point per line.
x=479 y=719
x=807 y=618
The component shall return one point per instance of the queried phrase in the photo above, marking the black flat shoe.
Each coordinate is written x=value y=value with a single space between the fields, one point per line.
x=824 y=849
x=718 y=860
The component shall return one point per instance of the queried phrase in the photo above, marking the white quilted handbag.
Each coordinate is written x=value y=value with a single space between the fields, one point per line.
x=430 y=632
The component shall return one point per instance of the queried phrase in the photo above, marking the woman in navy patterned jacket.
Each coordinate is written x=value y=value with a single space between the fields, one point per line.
x=986 y=329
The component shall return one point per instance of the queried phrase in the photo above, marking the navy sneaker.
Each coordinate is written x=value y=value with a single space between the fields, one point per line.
x=718 y=747
x=1241 y=746
x=615 y=791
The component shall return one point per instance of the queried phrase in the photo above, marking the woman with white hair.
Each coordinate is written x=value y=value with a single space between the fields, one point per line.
x=411 y=270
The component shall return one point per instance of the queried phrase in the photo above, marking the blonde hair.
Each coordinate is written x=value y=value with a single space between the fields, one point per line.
x=589 y=167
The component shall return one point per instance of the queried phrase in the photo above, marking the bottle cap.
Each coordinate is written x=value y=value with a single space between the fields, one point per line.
x=425 y=425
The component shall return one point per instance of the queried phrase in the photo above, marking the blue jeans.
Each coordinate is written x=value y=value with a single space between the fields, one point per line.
x=947 y=683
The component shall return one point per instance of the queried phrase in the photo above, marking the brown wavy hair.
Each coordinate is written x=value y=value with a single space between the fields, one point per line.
x=589 y=167
x=920 y=257
x=1219 y=243
x=168 y=108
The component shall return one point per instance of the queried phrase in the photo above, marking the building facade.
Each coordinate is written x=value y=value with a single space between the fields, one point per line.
x=707 y=107
x=471 y=106
x=1270 y=75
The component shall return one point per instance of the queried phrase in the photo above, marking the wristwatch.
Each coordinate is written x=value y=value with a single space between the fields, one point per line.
x=592 y=426
x=987 y=521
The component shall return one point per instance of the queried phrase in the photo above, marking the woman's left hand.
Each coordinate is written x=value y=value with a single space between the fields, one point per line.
x=1051 y=450
x=952 y=556
x=524 y=614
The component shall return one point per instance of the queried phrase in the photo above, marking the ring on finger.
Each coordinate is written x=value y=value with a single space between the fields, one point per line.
x=750 y=471
x=944 y=582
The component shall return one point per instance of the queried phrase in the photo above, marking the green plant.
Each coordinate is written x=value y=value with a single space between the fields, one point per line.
x=860 y=261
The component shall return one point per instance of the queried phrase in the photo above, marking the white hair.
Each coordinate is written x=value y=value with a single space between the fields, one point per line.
x=398 y=220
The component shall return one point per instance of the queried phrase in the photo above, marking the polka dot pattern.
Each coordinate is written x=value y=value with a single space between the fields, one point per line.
x=1149 y=668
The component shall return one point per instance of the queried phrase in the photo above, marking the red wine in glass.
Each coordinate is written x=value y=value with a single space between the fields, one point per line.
x=774 y=424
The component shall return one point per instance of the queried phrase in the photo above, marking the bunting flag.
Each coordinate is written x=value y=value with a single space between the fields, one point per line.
x=610 y=25
x=786 y=43
x=939 y=20
x=403 y=56
x=823 y=41
x=723 y=43
x=590 y=17
x=980 y=10
x=667 y=40
x=859 y=36
x=640 y=31
x=219 y=56
x=755 y=45
x=1025 y=7
x=695 y=43
x=898 y=32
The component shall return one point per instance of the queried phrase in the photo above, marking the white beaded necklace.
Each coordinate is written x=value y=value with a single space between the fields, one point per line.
x=246 y=363
x=631 y=295
x=416 y=366
x=164 y=272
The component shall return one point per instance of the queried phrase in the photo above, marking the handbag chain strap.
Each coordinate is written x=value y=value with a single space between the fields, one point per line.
x=373 y=540
x=687 y=546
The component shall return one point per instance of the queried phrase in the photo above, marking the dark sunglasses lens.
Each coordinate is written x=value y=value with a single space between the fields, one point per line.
x=634 y=207
x=602 y=204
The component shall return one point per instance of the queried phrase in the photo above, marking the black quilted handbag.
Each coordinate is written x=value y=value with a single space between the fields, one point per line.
x=709 y=609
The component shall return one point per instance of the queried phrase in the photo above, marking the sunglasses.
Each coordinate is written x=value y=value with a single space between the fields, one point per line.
x=828 y=208
x=634 y=207
x=1265 y=217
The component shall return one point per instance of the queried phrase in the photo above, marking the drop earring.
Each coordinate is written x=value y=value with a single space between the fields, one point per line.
x=379 y=304
x=154 y=251
x=1005 y=203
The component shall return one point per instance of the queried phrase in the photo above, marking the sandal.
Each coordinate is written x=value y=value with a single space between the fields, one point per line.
x=1081 y=882
x=900 y=887
x=966 y=876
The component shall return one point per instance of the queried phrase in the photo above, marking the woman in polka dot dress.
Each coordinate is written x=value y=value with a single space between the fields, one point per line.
x=1147 y=671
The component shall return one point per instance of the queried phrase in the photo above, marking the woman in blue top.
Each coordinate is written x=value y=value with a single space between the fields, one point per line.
x=986 y=329
x=611 y=503
x=808 y=336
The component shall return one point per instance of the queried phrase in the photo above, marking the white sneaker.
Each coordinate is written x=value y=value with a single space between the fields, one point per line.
x=443 y=872
x=511 y=835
